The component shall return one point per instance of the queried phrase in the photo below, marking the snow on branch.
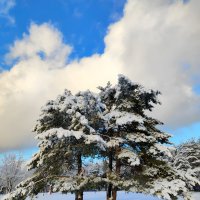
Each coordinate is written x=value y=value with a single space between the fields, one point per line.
x=133 y=159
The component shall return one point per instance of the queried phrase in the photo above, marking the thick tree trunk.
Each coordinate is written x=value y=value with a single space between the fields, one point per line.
x=117 y=171
x=79 y=194
x=79 y=163
x=109 y=191
x=110 y=166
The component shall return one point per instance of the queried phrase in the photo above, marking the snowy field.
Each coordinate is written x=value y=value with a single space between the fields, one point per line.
x=102 y=196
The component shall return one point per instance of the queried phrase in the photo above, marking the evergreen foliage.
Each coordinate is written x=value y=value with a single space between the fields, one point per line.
x=134 y=142
x=186 y=159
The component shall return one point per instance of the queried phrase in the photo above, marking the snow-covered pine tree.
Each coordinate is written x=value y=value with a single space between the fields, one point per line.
x=135 y=144
x=66 y=134
x=113 y=124
x=186 y=159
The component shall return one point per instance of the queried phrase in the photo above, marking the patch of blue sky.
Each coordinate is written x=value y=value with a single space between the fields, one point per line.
x=25 y=153
x=186 y=1
x=184 y=134
x=196 y=89
x=83 y=24
x=186 y=66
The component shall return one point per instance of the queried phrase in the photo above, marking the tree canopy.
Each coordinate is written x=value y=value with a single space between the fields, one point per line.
x=113 y=125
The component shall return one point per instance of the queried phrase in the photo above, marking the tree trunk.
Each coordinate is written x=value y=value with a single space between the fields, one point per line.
x=79 y=194
x=79 y=162
x=117 y=171
x=110 y=166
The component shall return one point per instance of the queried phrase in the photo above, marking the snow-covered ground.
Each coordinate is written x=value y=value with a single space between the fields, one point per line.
x=102 y=196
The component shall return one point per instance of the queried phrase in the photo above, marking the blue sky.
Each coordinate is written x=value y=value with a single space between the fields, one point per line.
x=147 y=42
x=83 y=24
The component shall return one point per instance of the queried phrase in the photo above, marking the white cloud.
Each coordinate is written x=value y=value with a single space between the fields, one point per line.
x=155 y=40
x=41 y=73
x=5 y=7
x=44 y=42
x=152 y=44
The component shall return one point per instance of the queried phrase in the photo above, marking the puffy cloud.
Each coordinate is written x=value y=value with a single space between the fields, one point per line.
x=5 y=7
x=41 y=73
x=155 y=43
x=43 y=41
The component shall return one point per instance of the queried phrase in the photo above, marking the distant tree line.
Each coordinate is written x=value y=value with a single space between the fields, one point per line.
x=12 y=172
x=186 y=160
